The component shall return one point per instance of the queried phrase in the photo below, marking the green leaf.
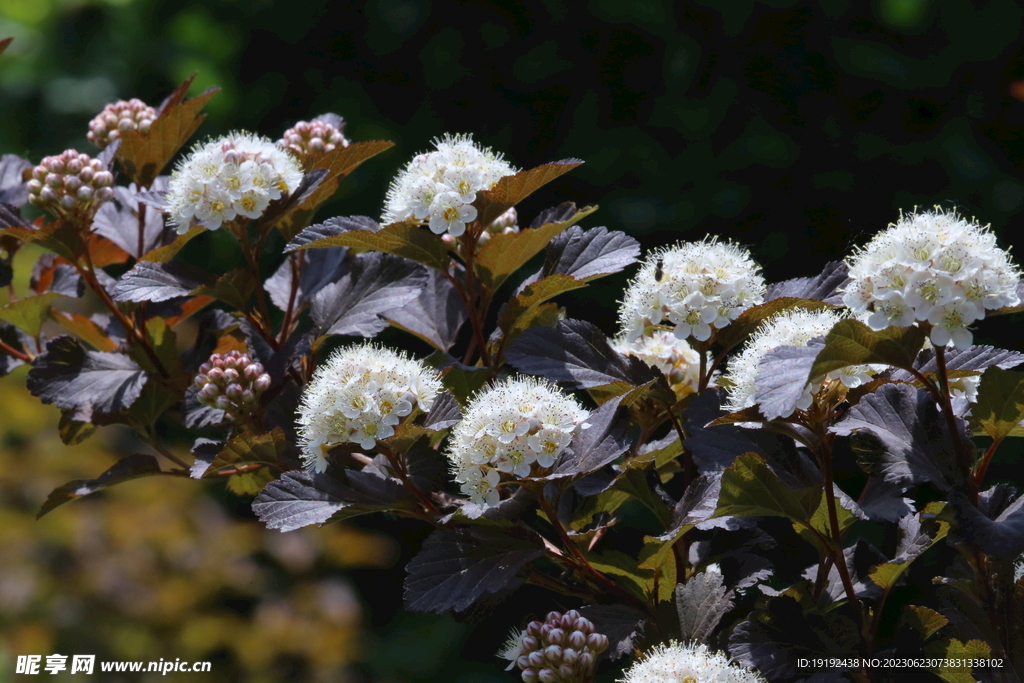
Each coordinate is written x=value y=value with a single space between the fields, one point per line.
x=657 y=556
x=1000 y=405
x=629 y=574
x=73 y=432
x=851 y=342
x=249 y=449
x=512 y=189
x=60 y=237
x=234 y=287
x=250 y=483
x=914 y=538
x=504 y=254
x=409 y=241
x=751 y=489
x=169 y=251
x=745 y=325
x=608 y=501
x=462 y=380
x=29 y=314
x=954 y=649
x=85 y=329
x=634 y=482
x=925 y=621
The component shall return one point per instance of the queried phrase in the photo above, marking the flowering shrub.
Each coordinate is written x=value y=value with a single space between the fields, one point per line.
x=634 y=478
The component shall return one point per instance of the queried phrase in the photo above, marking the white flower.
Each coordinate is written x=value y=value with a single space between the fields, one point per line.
x=931 y=266
x=358 y=396
x=440 y=186
x=239 y=174
x=514 y=647
x=965 y=387
x=791 y=328
x=676 y=662
x=679 y=362
x=698 y=286
x=509 y=427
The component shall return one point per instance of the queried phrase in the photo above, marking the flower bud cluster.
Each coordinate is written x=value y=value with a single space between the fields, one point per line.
x=236 y=175
x=313 y=137
x=440 y=186
x=232 y=382
x=358 y=396
x=679 y=362
x=70 y=183
x=932 y=267
x=561 y=649
x=676 y=662
x=510 y=427
x=791 y=328
x=116 y=117
x=698 y=286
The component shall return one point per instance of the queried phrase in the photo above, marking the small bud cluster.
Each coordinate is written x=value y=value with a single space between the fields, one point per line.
x=509 y=427
x=236 y=175
x=232 y=382
x=313 y=137
x=792 y=328
x=116 y=117
x=698 y=286
x=70 y=183
x=440 y=187
x=505 y=224
x=932 y=267
x=358 y=396
x=675 y=662
x=679 y=362
x=561 y=649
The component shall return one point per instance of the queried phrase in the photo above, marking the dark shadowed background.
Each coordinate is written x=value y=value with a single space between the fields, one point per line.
x=798 y=129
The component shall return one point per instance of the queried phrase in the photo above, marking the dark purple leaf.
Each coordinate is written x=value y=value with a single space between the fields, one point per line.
x=901 y=436
x=576 y=354
x=132 y=467
x=701 y=603
x=320 y=267
x=301 y=498
x=13 y=190
x=444 y=413
x=822 y=286
x=331 y=228
x=205 y=452
x=782 y=375
x=149 y=281
x=60 y=278
x=999 y=533
x=15 y=338
x=556 y=214
x=10 y=217
x=375 y=285
x=135 y=227
x=623 y=626
x=973 y=358
x=456 y=568
x=881 y=500
x=589 y=254
x=436 y=314
x=195 y=415
x=85 y=381
x=600 y=444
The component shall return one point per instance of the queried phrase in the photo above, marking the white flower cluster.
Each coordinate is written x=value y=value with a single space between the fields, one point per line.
x=236 y=175
x=358 y=396
x=792 y=328
x=440 y=186
x=932 y=266
x=698 y=286
x=676 y=662
x=507 y=428
x=679 y=362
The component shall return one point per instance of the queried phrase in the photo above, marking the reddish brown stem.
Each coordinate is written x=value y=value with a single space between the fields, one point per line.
x=979 y=476
x=11 y=351
x=954 y=433
x=261 y=295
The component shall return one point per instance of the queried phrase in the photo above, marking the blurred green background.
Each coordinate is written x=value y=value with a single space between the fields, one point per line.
x=796 y=128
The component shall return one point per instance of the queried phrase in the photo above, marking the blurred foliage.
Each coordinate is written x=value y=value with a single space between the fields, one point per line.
x=798 y=128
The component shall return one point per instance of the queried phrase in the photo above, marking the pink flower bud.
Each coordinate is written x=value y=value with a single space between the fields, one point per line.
x=234 y=391
x=556 y=636
x=34 y=186
x=252 y=371
x=534 y=628
x=568 y=673
x=548 y=676
x=577 y=640
x=584 y=625
x=216 y=374
x=530 y=676
x=248 y=397
x=569 y=656
x=585 y=661
x=536 y=659
x=553 y=617
x=553 y=653
x=72 y=183
x=104 y=194
x=73 y=165
x=87 y=175
x=262 y=383
x=597 y=642
x=529 y=643
x=53 y=180
x=84 y=194
x=68 y=202
x=223 y=402
x=230 y=375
